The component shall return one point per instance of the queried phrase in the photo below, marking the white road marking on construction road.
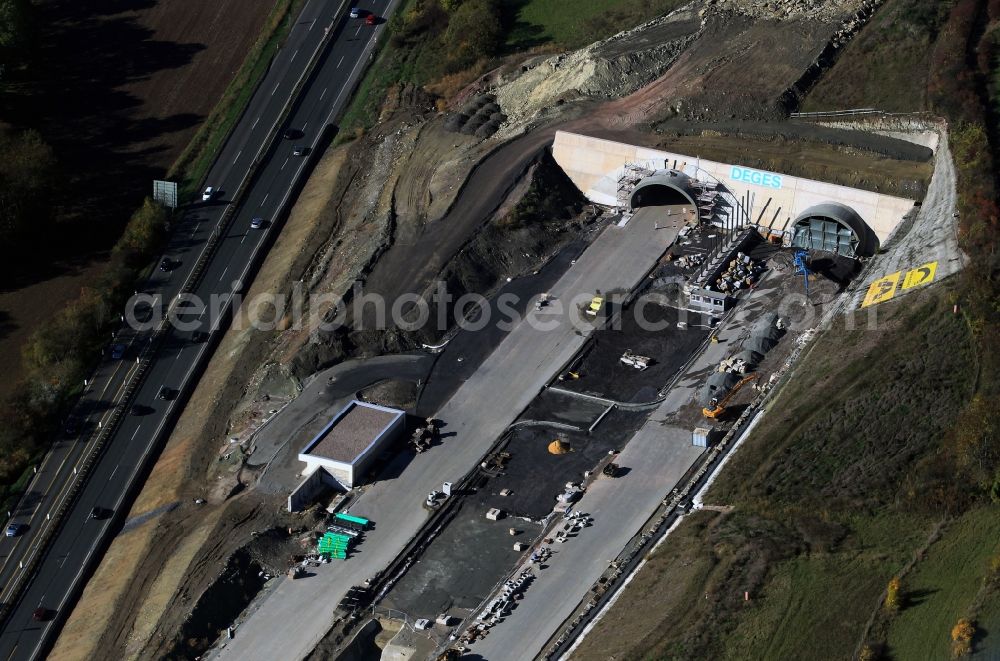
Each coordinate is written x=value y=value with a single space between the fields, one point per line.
x=323 y=94
x=338 y=66
x=293 y=56
x=255 y=124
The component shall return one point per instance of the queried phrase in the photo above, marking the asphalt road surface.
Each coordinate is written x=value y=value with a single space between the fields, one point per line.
x=292 y=618
x=60 y=574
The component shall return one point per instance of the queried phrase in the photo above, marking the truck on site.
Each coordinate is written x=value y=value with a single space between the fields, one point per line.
x=596 y=305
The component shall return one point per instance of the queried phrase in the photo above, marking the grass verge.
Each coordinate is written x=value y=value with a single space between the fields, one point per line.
x=196 y=159
x=825 y=510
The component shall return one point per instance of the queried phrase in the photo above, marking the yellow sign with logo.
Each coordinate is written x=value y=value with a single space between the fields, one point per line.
x=920 y=275
x=882 y=289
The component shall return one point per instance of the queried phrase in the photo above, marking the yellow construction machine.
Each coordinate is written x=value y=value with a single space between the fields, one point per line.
x=717 y=408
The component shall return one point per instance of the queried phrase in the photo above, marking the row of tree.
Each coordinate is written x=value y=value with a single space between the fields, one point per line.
x=59 y=355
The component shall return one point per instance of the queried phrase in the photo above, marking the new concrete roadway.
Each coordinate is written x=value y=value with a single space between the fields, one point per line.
x=292 y=617
x=81 y=539
x=657 y=458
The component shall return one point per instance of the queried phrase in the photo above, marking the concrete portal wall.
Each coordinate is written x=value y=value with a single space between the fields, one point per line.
x=305 y=494
x=594 y=165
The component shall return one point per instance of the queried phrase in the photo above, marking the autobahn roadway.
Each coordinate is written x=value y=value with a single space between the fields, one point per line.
x=111 y=483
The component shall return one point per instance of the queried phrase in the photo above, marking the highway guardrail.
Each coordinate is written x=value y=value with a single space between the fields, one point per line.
x=29 y=566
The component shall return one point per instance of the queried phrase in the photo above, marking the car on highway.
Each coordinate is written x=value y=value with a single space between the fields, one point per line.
x=41 y=614
x=291 y=134
x=15 y=529
x=355 y=12
x=199 y=336
x=256 y=223
x=117 y=351
x=371 y=19
x=71 y=427
x=98 y=513
x=299 y=150
x=166 y=264
x=208 y=194
x=166 y=393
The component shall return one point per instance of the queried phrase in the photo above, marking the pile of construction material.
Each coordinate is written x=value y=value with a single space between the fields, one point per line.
x=765 y=333
x=423 y=437
x=499 y=607
x=635 y=360
x=741 y=273
x=689 y=261
x=480 y=117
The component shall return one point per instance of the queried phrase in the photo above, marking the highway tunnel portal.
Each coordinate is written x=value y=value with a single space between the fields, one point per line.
x=836 y=228
x=663 y=188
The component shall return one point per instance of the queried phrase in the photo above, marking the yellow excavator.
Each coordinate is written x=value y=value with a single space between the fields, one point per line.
x=717 y=408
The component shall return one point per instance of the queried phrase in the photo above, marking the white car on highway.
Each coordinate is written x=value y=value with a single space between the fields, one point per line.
x=208 y=194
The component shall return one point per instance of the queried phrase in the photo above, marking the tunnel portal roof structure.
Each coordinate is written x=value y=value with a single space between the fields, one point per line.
x=836 y=228
x=662 y=188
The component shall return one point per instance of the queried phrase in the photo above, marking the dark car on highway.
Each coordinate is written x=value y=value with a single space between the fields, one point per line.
x=98 y=513
x=199 y=336
x=41 y=614
x=15 y=529
x=117 y=351
x=166 y=393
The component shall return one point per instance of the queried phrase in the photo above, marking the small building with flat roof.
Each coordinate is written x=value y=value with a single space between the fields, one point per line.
x=345 y=446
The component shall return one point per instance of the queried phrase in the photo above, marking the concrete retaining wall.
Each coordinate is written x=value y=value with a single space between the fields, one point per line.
x=594 y=165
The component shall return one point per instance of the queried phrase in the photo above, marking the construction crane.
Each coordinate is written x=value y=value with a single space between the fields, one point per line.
x=719 y=408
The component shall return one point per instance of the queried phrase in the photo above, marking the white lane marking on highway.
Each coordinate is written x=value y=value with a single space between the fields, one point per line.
x=305 y=125
x=338 y=66
x=283 y=165
x=276 y=88
x=114 y=471
x=237 y=156
x=255 y=124
x=292 y=59
x=323 y=94
x=265 y=199
x=224 y=272
x=245 y=234
x=358 y=32
x=311 y=24
x=136 y=432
